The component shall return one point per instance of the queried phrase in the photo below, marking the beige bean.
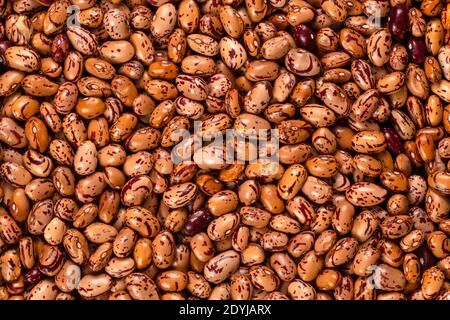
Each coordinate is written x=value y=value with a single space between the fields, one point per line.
x=223 y=226
x=22 y=59
x=309 y=266
x=179 y=195
x=379 y=47
x=116 y=52
x=43 y=290
x=10 y=81
x=100 y=257
x=222 y=202
x=124 y=242
x=343 y=251
x=232 y=52
x=302 y=63
x=301 y=243
x=163 y=247
x=82 y=40
x=141 y=287
x=94 y=285
x=292 y=181
x=76 y=244
x=142 y=221
x=98 y=232
x=334 y=98
x=366 y=256
x=202 y=247
x=300 y=290
x=198 y=285
x=221 y=266
x=54 y=231
x=301 y=209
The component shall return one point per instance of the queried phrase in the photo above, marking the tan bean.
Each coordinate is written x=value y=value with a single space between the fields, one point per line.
x=379 y=47
x=142 y=221
x=43 y=290
x=94 y=285
x=342 y=252
x=142 y=253
x=141 y=287
x=300 y=290
x=432 y=282
x=223 y=226
x=221 y=266
x=100 y=257
x=232 y=53
x=202 y=247
x=197 y=285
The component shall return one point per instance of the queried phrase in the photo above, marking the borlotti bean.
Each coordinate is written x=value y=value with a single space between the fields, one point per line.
x=232 y=150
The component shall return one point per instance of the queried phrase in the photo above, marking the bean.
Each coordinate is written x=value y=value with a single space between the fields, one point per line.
x=302 y=62
x=221 y=266
x=304 y=37
x=398 y=20
x=417 y=50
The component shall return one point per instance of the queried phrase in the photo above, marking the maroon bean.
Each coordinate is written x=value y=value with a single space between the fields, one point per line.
x=417 y=50
x=33 y=276
x=197 y=222
x=398 y=21
x=425 y=256
x=4 y=44
x=3 y=66
x=60 y=48
x=304 y=37
x=394 y=142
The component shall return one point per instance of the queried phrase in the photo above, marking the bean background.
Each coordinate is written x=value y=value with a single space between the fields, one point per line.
x=94 y=95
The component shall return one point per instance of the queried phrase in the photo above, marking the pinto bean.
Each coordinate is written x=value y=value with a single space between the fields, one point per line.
x=153 y=149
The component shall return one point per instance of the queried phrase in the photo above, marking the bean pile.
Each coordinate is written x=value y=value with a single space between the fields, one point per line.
x=93 y=205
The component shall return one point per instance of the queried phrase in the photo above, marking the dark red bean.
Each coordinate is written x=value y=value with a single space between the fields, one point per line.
x=398 y=21
x=417 y=50
x=3 y=64
x=33 y=276
x=425 y=256
x=304 y=37
x=60 y=48
x=197 y=222
x=394 y=142
x=4 y=44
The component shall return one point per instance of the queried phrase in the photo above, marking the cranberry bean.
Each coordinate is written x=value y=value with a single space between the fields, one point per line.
x=417 y=50
x=197 y=221
x=398 y=21
x=304 y=37
x=394 y=142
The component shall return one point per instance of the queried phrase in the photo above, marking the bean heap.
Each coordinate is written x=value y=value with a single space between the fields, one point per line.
x=93 y=205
